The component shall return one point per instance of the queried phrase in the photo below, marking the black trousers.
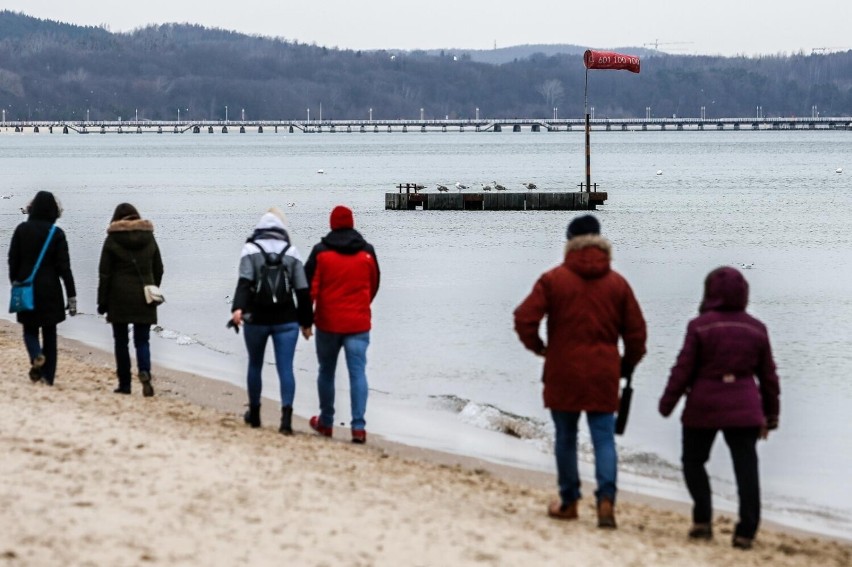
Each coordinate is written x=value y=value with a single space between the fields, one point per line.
x=742 y=442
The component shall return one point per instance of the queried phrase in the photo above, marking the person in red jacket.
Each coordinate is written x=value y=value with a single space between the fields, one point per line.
x=343 y=273
x=726 y=371
x=588 y=306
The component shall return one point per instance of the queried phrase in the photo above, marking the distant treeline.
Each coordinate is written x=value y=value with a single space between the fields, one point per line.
x=53 y=71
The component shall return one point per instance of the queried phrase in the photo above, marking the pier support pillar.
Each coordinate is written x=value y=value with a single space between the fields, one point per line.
x=624 y=127
x=404 y=129
x=608 y=128
x=159 y=130
x=461 y=128
x=224 y=129
x=50 y=129
x=260 y=129
x=736 y=126
x=376 y=129
x=64 y=129
x=242 y=129
x=139 y=129
x=362 y=129
x=196 y=129
x=536 y=128
x=35 y=129
x=210 y=129
x=680 y=126
x=498 y=128
x=516 y=128
x=701 y=126
x=644 y=127
x=389 y=129
x=720 y=126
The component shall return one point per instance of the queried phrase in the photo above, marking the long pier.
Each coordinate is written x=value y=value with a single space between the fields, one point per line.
x=450 y=125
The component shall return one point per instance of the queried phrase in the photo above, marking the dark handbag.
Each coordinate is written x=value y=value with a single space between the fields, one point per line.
x=624 y=407
x=23 y=294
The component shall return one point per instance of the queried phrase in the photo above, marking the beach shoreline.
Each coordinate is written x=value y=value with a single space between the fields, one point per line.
x=328 y=501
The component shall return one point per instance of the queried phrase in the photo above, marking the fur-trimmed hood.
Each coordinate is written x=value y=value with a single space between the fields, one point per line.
x=129 y=225
x=588 y=255
x=131 y=234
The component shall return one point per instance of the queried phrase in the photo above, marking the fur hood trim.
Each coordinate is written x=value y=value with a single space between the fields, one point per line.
x=587 y=241
x=131 y=225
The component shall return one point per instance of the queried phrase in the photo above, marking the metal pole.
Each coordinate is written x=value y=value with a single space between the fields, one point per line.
x=588 y=140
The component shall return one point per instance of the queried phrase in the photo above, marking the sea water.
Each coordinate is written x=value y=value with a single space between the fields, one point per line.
x=445 y=367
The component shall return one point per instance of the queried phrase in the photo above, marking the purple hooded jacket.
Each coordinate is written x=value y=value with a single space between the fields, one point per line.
x=725 y=367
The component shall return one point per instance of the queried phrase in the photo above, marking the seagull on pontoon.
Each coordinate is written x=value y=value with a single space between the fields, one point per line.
x=7 y=197
x=460 y=186
x=443 y=188
x=747 y=266
x=530 y=186
x=498 y=186
x=485 y=187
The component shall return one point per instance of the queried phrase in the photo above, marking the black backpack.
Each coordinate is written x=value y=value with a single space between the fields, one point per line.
x=273 y=285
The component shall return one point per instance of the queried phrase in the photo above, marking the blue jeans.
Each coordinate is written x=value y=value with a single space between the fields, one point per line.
x=284 y=337
x=602 y=429
x=141 y=342
x=48 y=349
x=355 y=348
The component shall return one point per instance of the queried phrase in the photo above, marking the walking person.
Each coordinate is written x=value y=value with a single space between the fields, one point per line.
x=726 y=371
x=343 y=272
x=130 y=260
x=588 y=306
x=39 y=237
x=270 y=274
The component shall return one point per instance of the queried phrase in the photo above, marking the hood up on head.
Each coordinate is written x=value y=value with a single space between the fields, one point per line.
x=725 y=289
x=44 y=206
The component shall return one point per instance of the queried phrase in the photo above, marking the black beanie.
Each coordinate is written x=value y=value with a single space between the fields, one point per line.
x=586 y=224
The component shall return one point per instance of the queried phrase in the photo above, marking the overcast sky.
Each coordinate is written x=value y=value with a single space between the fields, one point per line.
x=723 y=27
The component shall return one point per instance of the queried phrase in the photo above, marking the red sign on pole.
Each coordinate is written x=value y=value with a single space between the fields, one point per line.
x=610 y=60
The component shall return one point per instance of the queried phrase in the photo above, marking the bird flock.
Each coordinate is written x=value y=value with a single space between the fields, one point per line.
x=493 y=186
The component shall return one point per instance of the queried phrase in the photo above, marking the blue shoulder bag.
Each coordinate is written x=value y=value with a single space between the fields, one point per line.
x=23 y=298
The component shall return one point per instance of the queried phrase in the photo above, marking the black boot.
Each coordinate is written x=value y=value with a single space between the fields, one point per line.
x=252 y=416
x=286 y=421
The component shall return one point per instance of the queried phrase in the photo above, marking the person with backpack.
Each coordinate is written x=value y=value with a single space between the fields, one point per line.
x=727 y=373
x=272 y=299
x=343 y=272
x=130 y=260
x=39 y=237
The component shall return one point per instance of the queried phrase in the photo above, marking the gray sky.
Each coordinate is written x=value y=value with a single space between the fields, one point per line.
x=722 y=27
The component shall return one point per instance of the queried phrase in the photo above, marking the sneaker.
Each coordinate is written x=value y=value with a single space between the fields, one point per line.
x=700 y=531
x=606 y=514
x=35 y=369
x=147 y=387
x=560 y=511
x=320 y=428
x=359 y=436
x=742 y=542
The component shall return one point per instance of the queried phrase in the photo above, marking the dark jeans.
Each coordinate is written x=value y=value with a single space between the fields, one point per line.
x=354 y=347
x=742 y=442
x=47 y=348
x=141 y=338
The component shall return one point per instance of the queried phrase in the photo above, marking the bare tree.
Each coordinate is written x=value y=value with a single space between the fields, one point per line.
x=551 y=90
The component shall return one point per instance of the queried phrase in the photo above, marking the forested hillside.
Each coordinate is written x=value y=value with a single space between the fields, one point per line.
x=50 y=70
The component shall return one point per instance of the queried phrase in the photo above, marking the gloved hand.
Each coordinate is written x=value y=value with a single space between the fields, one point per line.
x=102 y=309
x=626 y=369
x=72 y=306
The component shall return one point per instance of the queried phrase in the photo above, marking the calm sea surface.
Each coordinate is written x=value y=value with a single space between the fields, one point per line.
x=446 y=369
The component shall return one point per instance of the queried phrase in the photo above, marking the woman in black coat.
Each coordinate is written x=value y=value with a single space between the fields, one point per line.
x=26 y=245
x=130 y=259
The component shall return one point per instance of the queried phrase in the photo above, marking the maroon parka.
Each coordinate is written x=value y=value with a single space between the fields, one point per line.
x=588 y=306
x=725 y=367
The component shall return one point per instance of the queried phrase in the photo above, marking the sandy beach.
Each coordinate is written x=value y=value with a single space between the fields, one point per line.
x=93 y=478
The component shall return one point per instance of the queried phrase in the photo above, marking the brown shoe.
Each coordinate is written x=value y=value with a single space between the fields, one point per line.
x=561 y=511
x=701 y=531
x=606 y=514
